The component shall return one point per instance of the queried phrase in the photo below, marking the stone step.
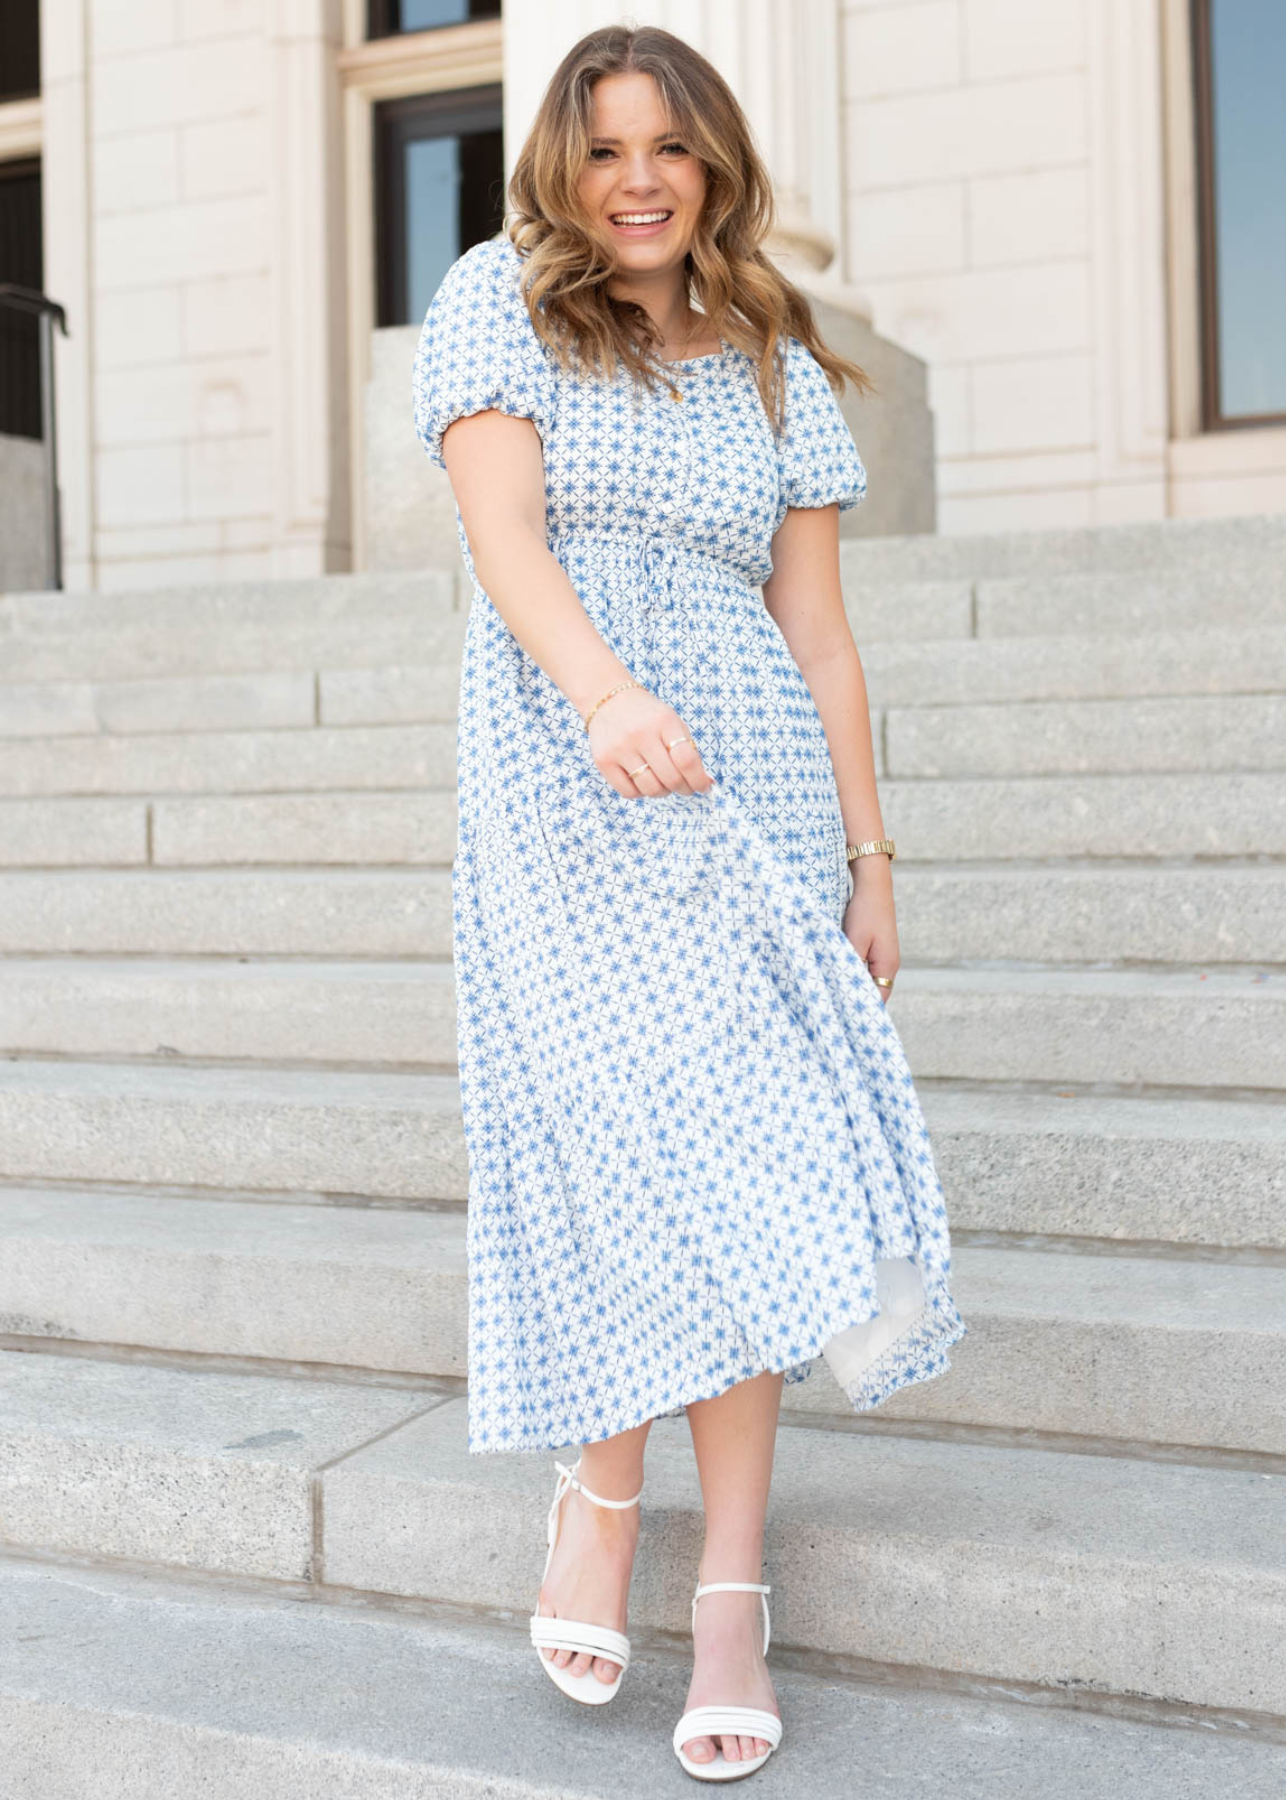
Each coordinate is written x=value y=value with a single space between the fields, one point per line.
x=1180 y=1170
x=112 y=1680
x=1142 y=1577
x=901 y=672
x=311 y=1131
x=1196 y=733
x=1122 y=605
x=974 y=671
x=1208 y=548
x=282 y=829
x=320 y=758
x=233 y=912
x=64 y=833
x=1202 y=914
x=1175 y=815
x=1117 y=1575
x=1174 y=1028
x=1093 y=912
x=295 y=600
x=1129 y=601
x=1142 y=1348
x=970 y=820
x=280 y=1012
x=349 y=829
x=1197 y=1029
x=368 y=638
x=44 y=709
x=1191 y=733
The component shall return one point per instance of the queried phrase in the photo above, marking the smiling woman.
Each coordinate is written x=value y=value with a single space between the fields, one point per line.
x=665 y=181
x=697 y=1165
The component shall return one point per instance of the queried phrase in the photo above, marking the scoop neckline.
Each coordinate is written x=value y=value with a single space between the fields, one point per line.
x=677 y=362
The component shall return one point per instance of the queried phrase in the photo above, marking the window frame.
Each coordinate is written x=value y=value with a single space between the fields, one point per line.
x=456 y=109
x=21 y=331
x=1213 y=417
x=23 y=31
x=379 y=20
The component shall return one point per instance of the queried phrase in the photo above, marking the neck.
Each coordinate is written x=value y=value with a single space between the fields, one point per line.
x=663 y=297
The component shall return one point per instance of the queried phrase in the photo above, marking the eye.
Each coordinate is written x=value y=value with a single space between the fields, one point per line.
x=599 y=151
x=681 y=148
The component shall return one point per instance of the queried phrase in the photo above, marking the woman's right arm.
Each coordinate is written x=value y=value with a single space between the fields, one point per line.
x=496 y=467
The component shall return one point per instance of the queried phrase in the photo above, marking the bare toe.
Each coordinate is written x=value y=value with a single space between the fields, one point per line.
x=606 y=1671
x=700 y=1749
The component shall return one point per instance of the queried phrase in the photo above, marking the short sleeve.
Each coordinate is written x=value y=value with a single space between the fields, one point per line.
x=818 y=458
x=478 y=349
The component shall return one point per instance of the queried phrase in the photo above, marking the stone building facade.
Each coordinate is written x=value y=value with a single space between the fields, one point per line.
x=1009 y=189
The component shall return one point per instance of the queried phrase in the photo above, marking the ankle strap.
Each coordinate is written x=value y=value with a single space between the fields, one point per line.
x=569 y=1477
x=761 y=1588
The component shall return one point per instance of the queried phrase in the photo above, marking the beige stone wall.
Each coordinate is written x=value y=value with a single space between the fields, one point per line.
x=191 y=209
x=1009 y=165
x=1004 y=185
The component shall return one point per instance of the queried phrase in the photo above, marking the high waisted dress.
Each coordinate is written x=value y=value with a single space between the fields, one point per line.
x=695 y=1150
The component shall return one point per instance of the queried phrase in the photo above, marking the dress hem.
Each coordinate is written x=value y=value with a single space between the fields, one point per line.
x=927 y=1339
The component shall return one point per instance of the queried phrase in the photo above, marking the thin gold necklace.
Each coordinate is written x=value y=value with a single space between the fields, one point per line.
x=687 y=340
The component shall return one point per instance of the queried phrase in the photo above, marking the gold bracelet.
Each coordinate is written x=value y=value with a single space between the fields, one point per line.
x=620 y=688
x=869 y=848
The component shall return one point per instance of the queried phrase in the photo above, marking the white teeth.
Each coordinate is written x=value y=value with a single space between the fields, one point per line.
x=651 y=218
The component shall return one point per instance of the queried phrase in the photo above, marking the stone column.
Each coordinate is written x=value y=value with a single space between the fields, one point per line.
x=310 y=497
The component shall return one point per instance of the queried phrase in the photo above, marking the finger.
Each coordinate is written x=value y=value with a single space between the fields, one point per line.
x=669 y=760
x=686 y=773
x=644 y=776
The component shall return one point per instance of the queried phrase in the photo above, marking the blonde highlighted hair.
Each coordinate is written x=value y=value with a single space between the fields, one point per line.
x=570 y=260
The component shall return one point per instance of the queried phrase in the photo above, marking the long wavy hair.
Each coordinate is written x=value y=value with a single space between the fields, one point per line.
x=570 y=259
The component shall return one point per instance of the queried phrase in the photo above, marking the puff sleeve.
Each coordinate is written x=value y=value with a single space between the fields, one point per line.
x=818 y=459
x=478 y=350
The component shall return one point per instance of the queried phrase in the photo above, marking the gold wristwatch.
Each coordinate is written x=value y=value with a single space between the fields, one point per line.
x=869 y=848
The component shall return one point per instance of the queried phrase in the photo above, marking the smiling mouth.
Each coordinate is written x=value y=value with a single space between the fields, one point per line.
x=641 y=218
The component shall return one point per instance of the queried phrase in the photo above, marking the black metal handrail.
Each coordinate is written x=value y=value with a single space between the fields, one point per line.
x=25 y=299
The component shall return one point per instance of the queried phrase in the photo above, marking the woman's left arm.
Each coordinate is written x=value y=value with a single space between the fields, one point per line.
x=804 y=597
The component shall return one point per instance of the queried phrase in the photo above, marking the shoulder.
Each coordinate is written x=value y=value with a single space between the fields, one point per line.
x=805 y=376
x=486 y=277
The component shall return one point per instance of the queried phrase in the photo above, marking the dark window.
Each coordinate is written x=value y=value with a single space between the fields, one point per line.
x=388 y=17
x=21 y=261
x=19 y=49
x=439 y=172
x=1239 y=63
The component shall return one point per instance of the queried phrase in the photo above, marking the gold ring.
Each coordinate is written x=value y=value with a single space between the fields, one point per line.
x=639 y=770
x=882 y=980
x=680 y=740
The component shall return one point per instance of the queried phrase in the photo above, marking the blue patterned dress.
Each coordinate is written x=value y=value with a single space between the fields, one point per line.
x=695 y=1150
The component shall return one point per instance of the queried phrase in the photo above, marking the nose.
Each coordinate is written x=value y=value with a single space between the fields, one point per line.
x=640 y=176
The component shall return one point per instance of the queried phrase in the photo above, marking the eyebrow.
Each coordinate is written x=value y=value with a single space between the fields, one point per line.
x=660 y=137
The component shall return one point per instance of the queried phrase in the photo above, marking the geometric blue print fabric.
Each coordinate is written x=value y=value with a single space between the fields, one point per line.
x=695 y=1147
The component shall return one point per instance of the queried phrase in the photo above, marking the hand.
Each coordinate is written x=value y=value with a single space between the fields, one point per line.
x=634 y=727
x=869 y=924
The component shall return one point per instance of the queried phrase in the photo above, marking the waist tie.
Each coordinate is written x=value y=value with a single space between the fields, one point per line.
x=660 y=566
x=660 y=561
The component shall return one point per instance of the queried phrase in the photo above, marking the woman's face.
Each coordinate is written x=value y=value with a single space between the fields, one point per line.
x=642 y=184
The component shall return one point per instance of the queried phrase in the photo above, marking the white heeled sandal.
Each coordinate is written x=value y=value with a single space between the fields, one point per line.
x=729 y=1721
x=552 y=1632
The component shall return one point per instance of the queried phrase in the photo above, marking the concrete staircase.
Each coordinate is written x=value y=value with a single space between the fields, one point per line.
x=243 y=1540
